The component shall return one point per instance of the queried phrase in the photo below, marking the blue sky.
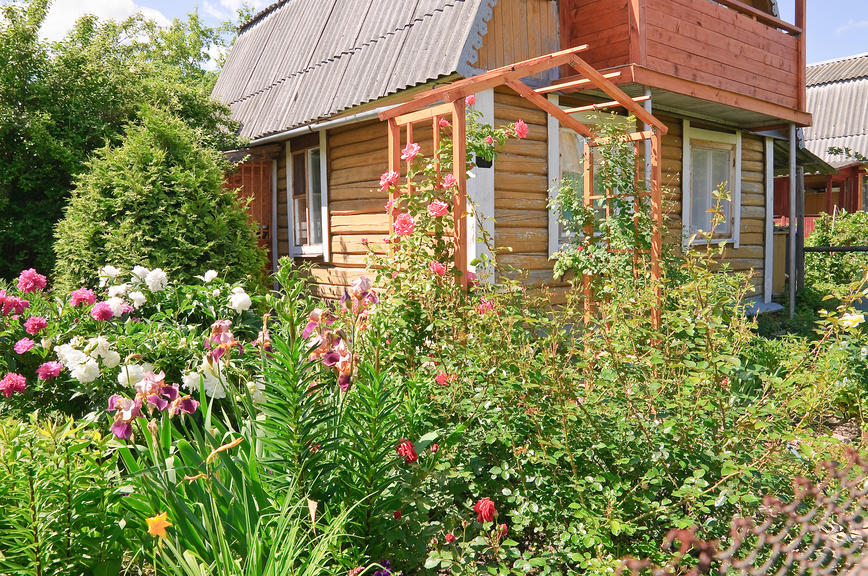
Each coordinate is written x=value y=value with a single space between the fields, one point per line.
x=836 y=28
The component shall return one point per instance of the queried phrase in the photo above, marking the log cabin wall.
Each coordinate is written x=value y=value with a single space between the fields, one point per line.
x=518 y=30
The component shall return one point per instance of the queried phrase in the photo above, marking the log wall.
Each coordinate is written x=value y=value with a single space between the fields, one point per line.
x=518 y=30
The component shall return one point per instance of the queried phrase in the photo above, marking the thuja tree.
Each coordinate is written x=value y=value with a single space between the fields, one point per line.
x=156 y=200
x=61 y=101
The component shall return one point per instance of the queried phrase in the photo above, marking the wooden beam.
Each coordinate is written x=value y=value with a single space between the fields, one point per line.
x=638 y=42
x=663 y=81
x=801 y=19
x=484 y=81
x=763 y=17
x=459 y=200
x=600 y=105
x=394 y=136
x=424 y=114
x=544 y=104
x=609 y=88
x=573 y=84
x=657 y=230
x=631 y=137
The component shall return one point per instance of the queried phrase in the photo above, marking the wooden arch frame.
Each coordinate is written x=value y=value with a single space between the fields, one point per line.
x=451 y=98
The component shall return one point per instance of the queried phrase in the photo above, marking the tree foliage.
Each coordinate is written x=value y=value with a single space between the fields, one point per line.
x=61 y=101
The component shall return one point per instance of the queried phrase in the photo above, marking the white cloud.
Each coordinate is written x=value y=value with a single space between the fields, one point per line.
x=227 y=9
x=851 y=25
x=63 y=14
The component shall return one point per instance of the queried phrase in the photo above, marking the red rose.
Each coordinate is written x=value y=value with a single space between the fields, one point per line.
x=435 y=448
x=450 y=538
x=407 y=451
x=503 y=530
x=397 y=514
x=485 y=511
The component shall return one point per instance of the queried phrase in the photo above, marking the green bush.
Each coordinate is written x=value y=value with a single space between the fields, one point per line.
x=156 y=200
x=837 y=268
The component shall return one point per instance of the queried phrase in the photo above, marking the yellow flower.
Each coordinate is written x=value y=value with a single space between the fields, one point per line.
x=850 y=320
x=157 y=525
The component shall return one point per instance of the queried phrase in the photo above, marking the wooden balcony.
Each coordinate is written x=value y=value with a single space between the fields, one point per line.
x=726 y=51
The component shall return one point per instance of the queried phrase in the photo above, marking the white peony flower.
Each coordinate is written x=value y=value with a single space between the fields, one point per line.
x=98 y=347
x=156 y=280
x=239 y=300
x=69 y=356
x=132 y=374
x=107 y=273
x=209 y=275
x=215 y=293
x=257 y=391
x=118 y=290
x=138 y=299
x=85 y=372
x=111 y=359
x=851 y=320
x=117 y=305
x=139 y=274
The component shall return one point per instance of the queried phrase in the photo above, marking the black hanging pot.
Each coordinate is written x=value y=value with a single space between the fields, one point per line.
x=483 y=162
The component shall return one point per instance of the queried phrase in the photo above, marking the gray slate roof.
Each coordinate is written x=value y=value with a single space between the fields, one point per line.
x=838 y=98
x=299 y=61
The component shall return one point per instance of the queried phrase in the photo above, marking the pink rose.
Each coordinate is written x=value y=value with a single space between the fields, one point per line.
x=485 y=510
x=388 y=179
x=437 y=208
x=521 y=129
x=443 y=379
x=484 y=306
x=444 y=123
x=23 y=345
x=34 y=324
x=449 y=181
x=410 y=151
x=49 y=370
x=470 y=100
x=404 y=224
x=489 y=140
x=30 y=281
x=437 y=268
x=102 y=311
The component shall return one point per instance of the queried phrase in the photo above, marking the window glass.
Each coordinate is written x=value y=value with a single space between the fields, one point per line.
x=711 y=166
x=315 y=196
x=299 y=199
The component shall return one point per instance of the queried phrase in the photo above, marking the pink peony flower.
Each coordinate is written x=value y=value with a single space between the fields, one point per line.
x=404 y=224
x=444 y=123
x=485 y=510
x=470 y=100
x=410 y=151
x=49 y=370
x=521 y=129
x=34 y=324
x=23 y=345
x=102 y=311
x=82 y=295
x=437 y=268
x=437 y=208
x=31 y=281
x=11 y=383
x=388 y=179
x=9 y=304
x=489 y=140
x=407 y=451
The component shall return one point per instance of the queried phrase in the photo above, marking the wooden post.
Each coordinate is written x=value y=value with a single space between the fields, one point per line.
x=801 y=20
x=800 y=230
x=459 y=170
x=588 y=188
x=637 y=32
x=657 y=216
x=791 y=243
x=394 y=161
x=829 y=195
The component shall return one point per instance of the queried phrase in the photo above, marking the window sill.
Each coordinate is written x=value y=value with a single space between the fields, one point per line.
x=687 y=243
x=308 y=251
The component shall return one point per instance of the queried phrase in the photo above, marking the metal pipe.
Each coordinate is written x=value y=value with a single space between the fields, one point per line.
x=317 y=126
x=647 y=145
x=792 y=233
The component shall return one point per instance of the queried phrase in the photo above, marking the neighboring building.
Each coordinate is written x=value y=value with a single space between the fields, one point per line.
x=837 y=96
x=306 y=79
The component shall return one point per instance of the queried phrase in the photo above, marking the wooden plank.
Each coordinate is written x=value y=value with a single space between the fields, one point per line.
x=603 y=105
x=763 y=17
x=459 y=201
x=546 y=105
x=580 y=83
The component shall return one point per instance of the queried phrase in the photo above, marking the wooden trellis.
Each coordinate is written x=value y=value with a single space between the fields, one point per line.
x=425 y=107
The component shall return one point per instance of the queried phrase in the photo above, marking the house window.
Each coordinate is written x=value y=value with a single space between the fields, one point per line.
x=711 y=159
x=306 y=201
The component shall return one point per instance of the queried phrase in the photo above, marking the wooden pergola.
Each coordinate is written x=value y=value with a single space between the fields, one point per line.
x=448 y=101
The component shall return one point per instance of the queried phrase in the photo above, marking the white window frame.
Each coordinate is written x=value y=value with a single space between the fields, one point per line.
x=320 y=249
x=734 y=139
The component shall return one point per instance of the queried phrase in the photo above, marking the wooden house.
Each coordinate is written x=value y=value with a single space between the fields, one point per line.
x=837 y=96
x=310 y=80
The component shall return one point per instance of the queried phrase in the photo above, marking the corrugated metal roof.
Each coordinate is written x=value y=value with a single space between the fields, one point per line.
x=840 y=107
x=299 y=61
x=850 y=68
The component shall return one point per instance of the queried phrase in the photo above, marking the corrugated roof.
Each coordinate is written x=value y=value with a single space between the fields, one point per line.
x=299 y=61
x=842 y=69
x=838 y=99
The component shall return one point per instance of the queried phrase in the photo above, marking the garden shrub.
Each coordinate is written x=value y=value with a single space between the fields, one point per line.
x=156 y=200
x=60 y=503
x=837 y=268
